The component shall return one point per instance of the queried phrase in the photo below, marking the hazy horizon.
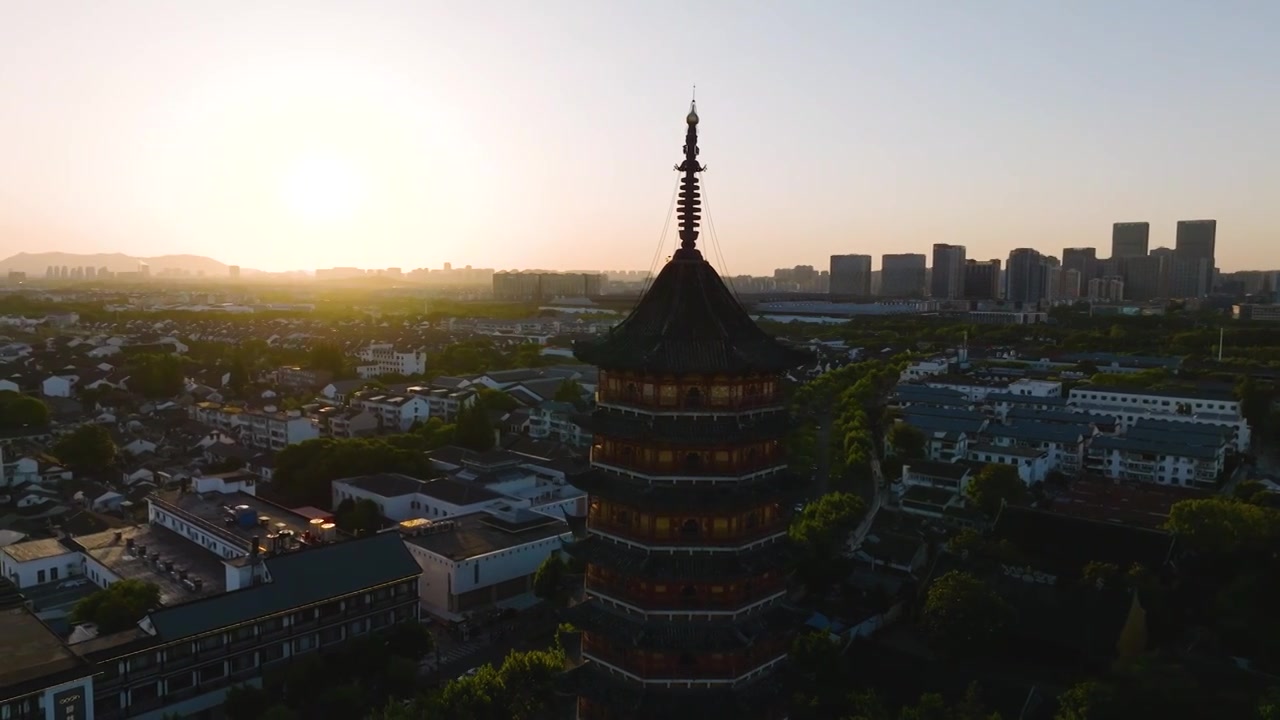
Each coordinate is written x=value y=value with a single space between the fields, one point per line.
x=297 y=135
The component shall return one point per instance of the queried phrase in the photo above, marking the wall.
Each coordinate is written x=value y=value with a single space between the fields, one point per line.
x=26 y=574
x=197 y=534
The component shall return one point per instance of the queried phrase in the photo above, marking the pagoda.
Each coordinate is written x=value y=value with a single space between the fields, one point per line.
x=685 y=538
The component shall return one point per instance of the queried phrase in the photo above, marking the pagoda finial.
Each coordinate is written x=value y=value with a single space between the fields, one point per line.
x=690 y=206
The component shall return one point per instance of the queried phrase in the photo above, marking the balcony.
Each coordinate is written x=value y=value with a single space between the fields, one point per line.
x=678 y=665
x=694 y=598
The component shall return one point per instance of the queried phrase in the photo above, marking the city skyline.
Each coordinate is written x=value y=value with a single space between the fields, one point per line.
x=296 y=137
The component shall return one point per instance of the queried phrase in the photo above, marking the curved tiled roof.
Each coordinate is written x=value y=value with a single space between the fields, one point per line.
x=689 y=322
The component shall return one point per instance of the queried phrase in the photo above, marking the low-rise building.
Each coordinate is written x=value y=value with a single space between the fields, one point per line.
x=1201 y=407
x=386 y=359
x=300 y=379
x=1166 y=453
x=1032 y=463
x=558 y=421
x=395 y=413
x=477 y=560
x=1064 y=443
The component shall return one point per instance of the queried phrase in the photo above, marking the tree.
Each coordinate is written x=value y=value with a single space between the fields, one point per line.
x=962 y=615
x=1223 y=527
x=118 y=606
x=88 y=447
x=474 y=431
x=548 y=581
x=821 y=531
x=528 y=683
x=360 y=517
x=22 y=411
x=492 y=399
x=995 y=485
x=328 y=356
x=571 y=392
x=156 y=376
x=906 y=441
x=1090 y=700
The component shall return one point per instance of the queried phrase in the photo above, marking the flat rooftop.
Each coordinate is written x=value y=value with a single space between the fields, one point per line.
x=186 y=556
x=36 y=549
x=483 y=533
x=31 y=652
x=211 y=512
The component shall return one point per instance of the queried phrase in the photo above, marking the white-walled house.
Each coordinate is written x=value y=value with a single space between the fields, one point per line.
x=36 y=562
x=1201 y=407
x=62 y=386
x=401 y=497
x=481 y=559
x=395 y=413
x=1032 y=463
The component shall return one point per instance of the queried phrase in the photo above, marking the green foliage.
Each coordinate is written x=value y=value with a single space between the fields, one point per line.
x=305 y=471
x=474 y=431
x=89 y=447
x=1223 y=527
x=820 y=532
x=962 y=615
x=548 y=581
x=118 y=606
x=995 y=485
x=328 y=356
x=907 y=442
x=571 y=392
x=522 y=688
x=22 y=411
x=360 y=517
x=478 y=356
x=156 y=376
x=492 y=399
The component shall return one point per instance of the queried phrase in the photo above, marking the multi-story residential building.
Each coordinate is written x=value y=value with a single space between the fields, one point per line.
x=1196 y=407
x=395 y=413
x=481 y=559
x=851 y=275
x=40 y=677
x=982 y=280
x=386 y=359
x=1130 y=239
x=1157 y=452
x=1190 y=277
x=1107 y=289
x=903 y=275
x=444 y=403
x=1033 y=464
x=302 y=379
x=948 y=278
x=546 y=285
x=1064 y=444
x=244 y=586
x=347 y=422
x=268 y=428
x=559 y=421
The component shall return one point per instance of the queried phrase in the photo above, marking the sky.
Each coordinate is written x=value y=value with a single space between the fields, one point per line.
x=295 y=134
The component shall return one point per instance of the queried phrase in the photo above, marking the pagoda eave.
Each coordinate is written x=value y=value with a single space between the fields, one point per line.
x=690 y=431
x=605 y=696
x=705 y=567
x=632 y=631
x=783 y=487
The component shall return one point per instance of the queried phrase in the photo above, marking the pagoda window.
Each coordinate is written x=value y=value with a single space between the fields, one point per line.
x=687 y=659
x=662 y=527
x=689 y=592
x=622 y=518
x=693 y=398
x=690 y=527
x=628 y=454
x=629 y=393
x=721 y=395
x=753 y=520
x=721 y=528
x=667 y=395
x=649 y=392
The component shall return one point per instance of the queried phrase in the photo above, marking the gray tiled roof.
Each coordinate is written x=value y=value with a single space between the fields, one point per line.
x=938 y=423
x=1039 y=432
x=1171 y=446
x=297 y=579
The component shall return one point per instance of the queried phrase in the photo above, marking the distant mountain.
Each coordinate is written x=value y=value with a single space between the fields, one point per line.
x=35 y=264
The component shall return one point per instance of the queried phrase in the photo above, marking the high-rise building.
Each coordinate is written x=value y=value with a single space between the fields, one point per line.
x=851 y=275
x=1147 y=278
x=1106 y=289
x=1083 y=260
x=1196 y=241
x=1025 y=276
x=948 y=271
x=234 y=271
x=686 y=524
x=903 y=275
x=982 y=279
x=1130 y=239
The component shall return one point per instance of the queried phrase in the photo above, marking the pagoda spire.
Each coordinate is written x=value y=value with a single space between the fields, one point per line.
x=690 y=206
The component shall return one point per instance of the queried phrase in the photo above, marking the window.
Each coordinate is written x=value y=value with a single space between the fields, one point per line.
x=210 y=643
x=53 y=574
x=209 y=673
x=477 y=573
x=304 y=643
x=39 y=576
x=179 y=682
